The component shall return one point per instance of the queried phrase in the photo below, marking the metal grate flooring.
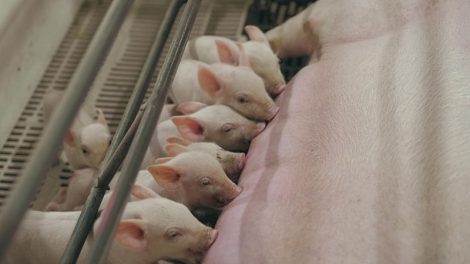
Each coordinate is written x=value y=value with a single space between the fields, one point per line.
x=15 y=152
x=116 y=78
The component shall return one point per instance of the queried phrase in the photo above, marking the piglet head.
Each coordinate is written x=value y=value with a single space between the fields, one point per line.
x=93 y=141
x=263 y=60
x=238 y=87
x=232 y=162
x=227 y=128
x=159 y=229
x=197 y=179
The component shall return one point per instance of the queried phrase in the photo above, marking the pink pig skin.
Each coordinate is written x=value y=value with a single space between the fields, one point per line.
x=236 y=86
x=377 y=171
x=255 y=53
x=143 y=235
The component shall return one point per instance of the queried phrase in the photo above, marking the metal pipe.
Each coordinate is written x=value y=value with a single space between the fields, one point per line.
x=112 y=214
x=121 y=139
x=61 y=120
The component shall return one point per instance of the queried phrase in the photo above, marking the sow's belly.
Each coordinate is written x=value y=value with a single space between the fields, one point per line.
x=368 y=160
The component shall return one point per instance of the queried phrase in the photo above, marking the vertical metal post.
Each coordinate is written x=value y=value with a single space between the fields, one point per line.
x=112 y=214
x=121 y=139
x=61 y=120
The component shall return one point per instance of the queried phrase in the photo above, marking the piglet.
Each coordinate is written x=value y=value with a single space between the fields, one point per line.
x=294 y=37
x=87 y=140
x=236 y=86
x=215 y=123
x=232 y=162
x=260 y=57
x=151 y=229
x=194 y=179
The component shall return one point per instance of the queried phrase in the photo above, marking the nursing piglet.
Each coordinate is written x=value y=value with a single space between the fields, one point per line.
x=236 y=86
x=82 y=181
x=87 y=140
x=260 y=57
x=296 y=37
x=194 y=179
x=215 y=123
x=231 y=162
x=150 y=230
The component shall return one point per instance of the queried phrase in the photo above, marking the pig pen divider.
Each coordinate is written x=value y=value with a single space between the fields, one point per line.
x=113 y=212
x=121 y=139
x=55 y=131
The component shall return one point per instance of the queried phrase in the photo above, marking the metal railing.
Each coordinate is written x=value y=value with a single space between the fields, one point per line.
x=129 y=127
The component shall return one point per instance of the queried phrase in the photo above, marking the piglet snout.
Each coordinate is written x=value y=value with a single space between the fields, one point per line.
x=235 y=193
x=238 y=190
x=224 y=199
x=259 y=128
x=241 y=161
x=212 y=237
x=280 y=89
x=273 y=111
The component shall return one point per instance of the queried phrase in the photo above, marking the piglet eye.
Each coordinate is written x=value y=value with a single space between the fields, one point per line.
x=205 y=181
x=242 y=98
x=227 y=128
x=84 y=150
x=173 y=234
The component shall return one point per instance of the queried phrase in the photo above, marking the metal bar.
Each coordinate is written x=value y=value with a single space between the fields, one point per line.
x=112 y=214
x=61 y=120
x=121 y=140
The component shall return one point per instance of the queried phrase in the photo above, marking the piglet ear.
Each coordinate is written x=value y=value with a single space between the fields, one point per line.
x=166 y=176
x=178 y=140
x=208 y=82
x=175 y=149
x=187 y=108
x=254 y=33
x=163 y=160
x=131 y=234
x=225 y=53
x=69 y=137
x=141 y=193
x=243 y=58
x=100 y=118
x=189 y=128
